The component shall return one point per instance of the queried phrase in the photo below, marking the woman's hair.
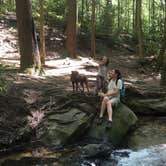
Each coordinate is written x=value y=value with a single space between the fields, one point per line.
x=119 y=76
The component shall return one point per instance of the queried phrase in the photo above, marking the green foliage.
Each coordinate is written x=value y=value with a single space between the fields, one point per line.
x=54 y=11
x=7 y=6
x=112 y=17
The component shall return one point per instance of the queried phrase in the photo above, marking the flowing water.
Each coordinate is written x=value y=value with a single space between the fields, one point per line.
x=152 y=156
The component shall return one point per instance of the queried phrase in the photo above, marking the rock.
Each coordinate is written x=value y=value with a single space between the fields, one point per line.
x=147 y=100
x=148 y=106
x=123 y=120
x=150 y=131
x=65 y=125
x=14 y=128
x=95 y=151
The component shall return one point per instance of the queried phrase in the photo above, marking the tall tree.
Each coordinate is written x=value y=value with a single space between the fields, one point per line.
x=42 y=33
x=163 y=46
x=162 y=55
x=93 y=47
x=134 y=16
x=119 y=15
x=29 y=51
x=71 y=27
x=139 y=46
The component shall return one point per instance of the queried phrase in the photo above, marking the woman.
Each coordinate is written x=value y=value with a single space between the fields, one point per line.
x=112 y=97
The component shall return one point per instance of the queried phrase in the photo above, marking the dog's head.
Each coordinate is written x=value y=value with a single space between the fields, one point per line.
x=74 y=73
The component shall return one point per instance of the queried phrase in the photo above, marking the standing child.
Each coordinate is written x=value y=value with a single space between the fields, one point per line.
x=102 y=73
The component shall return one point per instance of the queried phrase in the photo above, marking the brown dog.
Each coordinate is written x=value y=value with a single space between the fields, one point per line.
x=77 y=79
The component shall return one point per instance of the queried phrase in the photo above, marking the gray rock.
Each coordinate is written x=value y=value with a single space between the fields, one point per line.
x=95 y=151
x=64 y=126
x=146 y=100
x=123 y=120
x=14 y=127
x=148 y=106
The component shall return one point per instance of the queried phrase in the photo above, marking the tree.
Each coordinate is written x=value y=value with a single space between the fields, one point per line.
x=93 y=47
x=162 y=55
x=71 y=27
x=42 y=33
x=29 y=51
x=163 y=46
x=139 y=46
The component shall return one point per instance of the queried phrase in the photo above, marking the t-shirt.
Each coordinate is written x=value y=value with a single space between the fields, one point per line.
x=112 y=85
x=102 y=71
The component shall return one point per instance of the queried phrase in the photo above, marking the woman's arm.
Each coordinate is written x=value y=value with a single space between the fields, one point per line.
x=115 y=92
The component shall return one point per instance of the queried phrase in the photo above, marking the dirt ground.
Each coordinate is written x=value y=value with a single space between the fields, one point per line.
x=58 y=68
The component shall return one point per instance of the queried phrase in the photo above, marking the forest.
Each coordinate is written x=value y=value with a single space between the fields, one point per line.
x=60 y=66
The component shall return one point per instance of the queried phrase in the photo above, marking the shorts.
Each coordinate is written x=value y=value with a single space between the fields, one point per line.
x=114 y=101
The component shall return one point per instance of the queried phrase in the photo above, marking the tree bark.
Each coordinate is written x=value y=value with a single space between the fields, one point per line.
x=139 y=46
x=42 y=33
x=71 y=28
x=134 y=17
x=27 y=35
x=93 y=44
x=119 y=7
x=162 y=55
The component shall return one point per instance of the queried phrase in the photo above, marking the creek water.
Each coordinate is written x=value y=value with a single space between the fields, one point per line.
x=152 y=156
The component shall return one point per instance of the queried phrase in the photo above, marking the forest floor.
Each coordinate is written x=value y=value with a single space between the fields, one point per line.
x=58 y=67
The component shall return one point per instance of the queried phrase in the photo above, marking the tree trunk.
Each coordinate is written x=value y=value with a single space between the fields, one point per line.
x=134 y=22
x=162 y=55
x=139 y=46
x=71 y=27
x=163 y=46
x=27 y=36
x=82 y=14
x=93 y=47
x=42 y=33
x=36 y=53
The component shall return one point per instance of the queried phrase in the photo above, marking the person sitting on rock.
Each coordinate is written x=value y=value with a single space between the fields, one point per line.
x=112 y=97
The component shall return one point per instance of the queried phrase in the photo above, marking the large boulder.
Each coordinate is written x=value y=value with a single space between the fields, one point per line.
x=123 y=120
x=146 y=100
x=14 y=127
x=65 y=124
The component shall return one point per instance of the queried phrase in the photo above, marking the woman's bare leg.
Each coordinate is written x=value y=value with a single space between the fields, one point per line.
x=103 y=106
x=109 y=110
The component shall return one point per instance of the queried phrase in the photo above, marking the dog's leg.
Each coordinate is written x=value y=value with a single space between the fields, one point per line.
x=73 y=84
x=87 y=86
x=76 y=86
x=82 y=85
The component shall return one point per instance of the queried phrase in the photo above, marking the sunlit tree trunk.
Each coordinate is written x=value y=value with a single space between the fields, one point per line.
x=29 y=51
x=82 y=13
x=162 y=55
x=119 y=14
x=93 y=45
x=71 y=27
x=42 y=33
x=139 y=48
x=149 y=16
x=134 y=30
